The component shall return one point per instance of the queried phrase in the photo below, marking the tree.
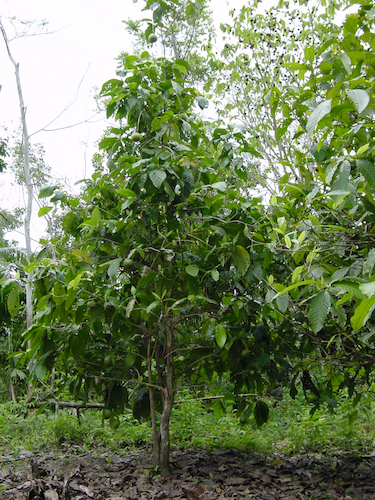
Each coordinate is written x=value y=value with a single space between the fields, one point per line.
x=29 y=188
x=262 y=60
x=331 y=282
x=156 y=285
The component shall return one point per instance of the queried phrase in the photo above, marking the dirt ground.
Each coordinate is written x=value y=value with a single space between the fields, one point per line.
x=197 y=475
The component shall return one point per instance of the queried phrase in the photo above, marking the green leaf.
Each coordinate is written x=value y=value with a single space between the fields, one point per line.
x=339 y=274
x=368 y=266
x=18 y=373
x=296 y=285
x=282 y=302
x=127 y=193
x=319 y=112
x=192 y=270
x=43 y=211
x=367 y=168
x=241 y=259
x=215 y=275
x=362 y=313
x=296 y=273
x=13 y=301
x=352 y=288
x=368 y=289
x=47 y=191
x=220 y=186
x=95 y=216
x=74 y=283
x=202 y=102
x=220 y=336
x=359 y=97
x=130 y=307
x=318 y=310
x=310 y=53
x=114 y=267
x=157 y=177
x=261 y=412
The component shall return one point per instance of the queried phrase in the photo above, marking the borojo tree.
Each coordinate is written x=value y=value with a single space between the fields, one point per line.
x=154 y=283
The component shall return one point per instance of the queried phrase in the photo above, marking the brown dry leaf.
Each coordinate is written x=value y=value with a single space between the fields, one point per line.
x=266 y=479
x=193 y=491
x=235 y=480
x=51 y=495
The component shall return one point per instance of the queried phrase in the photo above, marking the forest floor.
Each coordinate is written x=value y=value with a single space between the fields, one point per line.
x=197 y=475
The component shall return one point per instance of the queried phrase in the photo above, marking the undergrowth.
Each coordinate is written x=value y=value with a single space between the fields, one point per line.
x=291 y=428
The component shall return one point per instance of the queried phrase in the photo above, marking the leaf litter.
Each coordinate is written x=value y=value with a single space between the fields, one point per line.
x=197 y=475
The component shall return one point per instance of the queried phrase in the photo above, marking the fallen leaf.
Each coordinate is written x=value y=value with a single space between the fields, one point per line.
x=51 y=495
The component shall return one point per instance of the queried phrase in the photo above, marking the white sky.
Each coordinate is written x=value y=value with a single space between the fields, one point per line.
x=61 y=68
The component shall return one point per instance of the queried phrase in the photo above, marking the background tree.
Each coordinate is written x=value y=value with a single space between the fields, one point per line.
x=261 y=61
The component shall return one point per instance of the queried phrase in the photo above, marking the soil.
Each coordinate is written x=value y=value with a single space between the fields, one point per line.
x=197 y=475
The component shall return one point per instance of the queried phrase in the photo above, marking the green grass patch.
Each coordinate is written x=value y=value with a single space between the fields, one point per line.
x=290 y=429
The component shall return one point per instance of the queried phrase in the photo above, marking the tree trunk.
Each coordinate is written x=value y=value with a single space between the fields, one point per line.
x=168 y=398
x=155 y=431
x=11 y=390
x=29 y=186
x=165 y=469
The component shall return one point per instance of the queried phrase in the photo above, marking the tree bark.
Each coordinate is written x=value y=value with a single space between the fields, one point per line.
x=151 y=394
x=168 y=399
x=29 y=186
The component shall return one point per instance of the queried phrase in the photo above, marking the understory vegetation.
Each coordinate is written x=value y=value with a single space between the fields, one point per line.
x=291 y=428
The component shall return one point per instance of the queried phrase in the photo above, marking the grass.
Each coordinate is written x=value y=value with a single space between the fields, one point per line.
x=290 y=429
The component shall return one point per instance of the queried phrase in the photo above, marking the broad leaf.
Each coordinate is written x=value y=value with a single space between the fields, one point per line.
x=157 y=177
x=367 y=168
x=130 y=307
x=319 y=112
x=359 y=97
x=352 y=288
x=220 y=336
x=192 y=270
x=13 y=301
x=113 y=268
x=362 y=313
x=43 y=211
x=74 y=283
x=261 y=412
x=368 y=289
x=127 y=193
x=318 y=310
x=241 y=259
x=47 y=191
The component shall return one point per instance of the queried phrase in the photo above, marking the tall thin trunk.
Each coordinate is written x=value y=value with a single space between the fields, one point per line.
x=11 y=387
x=151 y=393
x=29 y=187
x=168 y=399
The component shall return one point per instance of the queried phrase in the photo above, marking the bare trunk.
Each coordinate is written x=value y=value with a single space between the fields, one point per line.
x=165 y=469
x=11 y=391
x=29 y=187
x=168 y=398
x=155 y=431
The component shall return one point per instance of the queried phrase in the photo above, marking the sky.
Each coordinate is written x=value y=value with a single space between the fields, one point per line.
x=60 y=74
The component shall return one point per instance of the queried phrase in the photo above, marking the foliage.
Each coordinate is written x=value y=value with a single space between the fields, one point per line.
x=183 y=30
x=262 y=53
x=331 y=279
x=3 y=154
x=290 y=429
